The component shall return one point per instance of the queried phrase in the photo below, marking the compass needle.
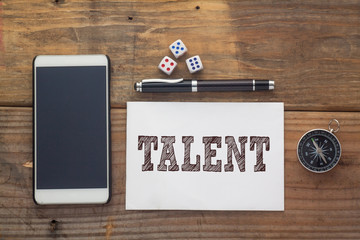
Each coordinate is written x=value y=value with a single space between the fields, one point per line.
x=322 y=156
x=318 y=150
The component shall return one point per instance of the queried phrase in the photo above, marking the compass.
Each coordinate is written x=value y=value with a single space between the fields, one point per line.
x=319 y=150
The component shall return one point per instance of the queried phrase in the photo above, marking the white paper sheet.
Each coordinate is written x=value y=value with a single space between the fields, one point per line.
x=206 y=186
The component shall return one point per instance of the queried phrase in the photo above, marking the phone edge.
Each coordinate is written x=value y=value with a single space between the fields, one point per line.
x=33 y=132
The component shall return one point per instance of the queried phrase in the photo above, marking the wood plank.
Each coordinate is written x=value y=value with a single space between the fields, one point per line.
x=316 y=205
x=311 y=49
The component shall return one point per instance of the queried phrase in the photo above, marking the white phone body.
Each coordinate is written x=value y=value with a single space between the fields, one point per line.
x=68 y=151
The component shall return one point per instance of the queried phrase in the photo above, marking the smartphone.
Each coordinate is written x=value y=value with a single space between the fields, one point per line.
x=71 y=129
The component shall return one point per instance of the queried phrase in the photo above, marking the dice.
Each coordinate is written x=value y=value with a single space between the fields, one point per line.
x=178 y=48
x=167 y=65
x=194 y=64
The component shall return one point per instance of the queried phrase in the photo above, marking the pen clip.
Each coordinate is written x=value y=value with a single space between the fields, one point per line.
x=155 y=80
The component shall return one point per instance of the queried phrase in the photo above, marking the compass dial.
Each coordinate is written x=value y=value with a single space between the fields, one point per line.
x=319 y=150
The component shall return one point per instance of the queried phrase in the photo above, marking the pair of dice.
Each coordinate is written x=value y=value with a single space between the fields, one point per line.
x=178 y=48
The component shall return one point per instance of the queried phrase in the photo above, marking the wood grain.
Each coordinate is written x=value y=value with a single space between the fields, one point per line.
x=316 y=205
x=310 y=48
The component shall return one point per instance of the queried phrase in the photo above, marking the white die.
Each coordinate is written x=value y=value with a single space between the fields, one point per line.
x=194 y=64
x=167 y=65
x=178 y=48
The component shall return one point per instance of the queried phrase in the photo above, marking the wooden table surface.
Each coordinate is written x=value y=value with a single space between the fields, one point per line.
x=310 y=48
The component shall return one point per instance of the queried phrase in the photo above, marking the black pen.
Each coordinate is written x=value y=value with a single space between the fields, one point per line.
x=188 y=85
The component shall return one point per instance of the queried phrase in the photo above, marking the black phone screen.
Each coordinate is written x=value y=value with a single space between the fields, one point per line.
x=71 y=127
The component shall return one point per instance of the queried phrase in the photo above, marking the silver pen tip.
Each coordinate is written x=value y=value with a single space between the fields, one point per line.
x=137 y=87
x=271 y=85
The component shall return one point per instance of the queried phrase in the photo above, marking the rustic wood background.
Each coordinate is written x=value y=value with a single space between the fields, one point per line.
x=310 y=48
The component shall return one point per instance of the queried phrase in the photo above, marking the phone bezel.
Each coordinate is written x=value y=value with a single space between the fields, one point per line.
x=72 y=196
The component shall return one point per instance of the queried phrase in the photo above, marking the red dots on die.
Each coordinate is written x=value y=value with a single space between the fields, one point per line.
x=166 y=65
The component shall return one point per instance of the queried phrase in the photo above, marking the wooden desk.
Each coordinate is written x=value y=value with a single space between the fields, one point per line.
x=311 y=50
